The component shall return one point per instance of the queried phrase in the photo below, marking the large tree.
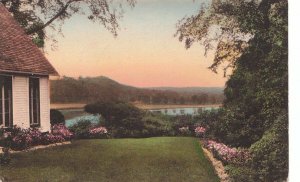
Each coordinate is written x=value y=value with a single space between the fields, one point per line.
x=251 y=38
x=36 y=15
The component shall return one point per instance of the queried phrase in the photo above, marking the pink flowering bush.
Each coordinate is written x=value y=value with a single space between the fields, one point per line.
x=17 y=138
x=24 y=138
x=35 y=135
x=49 y=138
x=200 y=131
x=61 y=130
x=98 y=132
x=227 y=154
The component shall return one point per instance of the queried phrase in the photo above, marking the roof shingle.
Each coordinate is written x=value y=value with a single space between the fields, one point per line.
x=17 y=51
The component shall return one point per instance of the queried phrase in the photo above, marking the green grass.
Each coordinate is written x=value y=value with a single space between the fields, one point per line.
x=160 y=159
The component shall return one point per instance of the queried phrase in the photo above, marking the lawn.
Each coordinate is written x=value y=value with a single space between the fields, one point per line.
x=122 y=160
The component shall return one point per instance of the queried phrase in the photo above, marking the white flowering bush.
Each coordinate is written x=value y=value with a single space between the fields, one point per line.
x=185 y=130
x=98 y=132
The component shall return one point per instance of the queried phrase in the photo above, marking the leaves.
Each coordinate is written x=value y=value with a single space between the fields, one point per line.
x=35 y=15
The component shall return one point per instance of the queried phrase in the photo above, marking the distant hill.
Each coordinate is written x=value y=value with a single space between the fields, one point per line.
x=91 y=89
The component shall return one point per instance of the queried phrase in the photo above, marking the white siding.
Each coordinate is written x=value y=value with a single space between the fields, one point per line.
x=21 y=101
x=45 y=104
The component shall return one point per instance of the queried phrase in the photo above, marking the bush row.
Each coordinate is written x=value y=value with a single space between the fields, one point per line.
x=84 y=129
x=17 y=138
x=267 y=158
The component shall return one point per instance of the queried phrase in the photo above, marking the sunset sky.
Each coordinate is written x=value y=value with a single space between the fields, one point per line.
x=144 y=54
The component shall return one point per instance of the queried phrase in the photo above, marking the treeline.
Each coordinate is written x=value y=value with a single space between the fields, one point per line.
x=91 y=89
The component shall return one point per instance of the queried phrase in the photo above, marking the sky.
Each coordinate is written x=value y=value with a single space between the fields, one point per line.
x=144 y=54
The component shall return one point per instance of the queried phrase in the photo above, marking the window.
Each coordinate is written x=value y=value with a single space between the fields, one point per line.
x=34 y=102
x=6 y=101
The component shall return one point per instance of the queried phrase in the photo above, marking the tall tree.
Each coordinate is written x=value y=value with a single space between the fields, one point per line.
x=36 y=15
x=251 y=37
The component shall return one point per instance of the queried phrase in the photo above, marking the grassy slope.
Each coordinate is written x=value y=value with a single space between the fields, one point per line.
x=152 y=159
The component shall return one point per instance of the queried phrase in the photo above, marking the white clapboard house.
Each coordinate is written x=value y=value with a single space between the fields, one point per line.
x=24 y=78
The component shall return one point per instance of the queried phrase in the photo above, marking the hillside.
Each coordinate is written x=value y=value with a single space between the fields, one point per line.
x=91 y=89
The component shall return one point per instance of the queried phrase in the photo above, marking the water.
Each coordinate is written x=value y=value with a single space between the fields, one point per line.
x=167 y=111
x=95 y=119
x=183 y=111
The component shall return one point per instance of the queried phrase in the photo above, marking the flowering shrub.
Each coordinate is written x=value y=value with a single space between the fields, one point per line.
x=35 y=135
x=24 y=138
x=227 y=154
x=81 y=129
x=184 y=130
x=20 y=139
x=50 y=138
x=97 y=132
x=61 y=130
x=200 y=131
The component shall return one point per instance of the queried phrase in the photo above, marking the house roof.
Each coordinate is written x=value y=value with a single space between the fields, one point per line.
x=18 y=54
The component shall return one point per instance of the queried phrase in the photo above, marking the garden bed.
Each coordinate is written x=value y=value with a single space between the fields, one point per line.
x=219 y=167
x=37 y=147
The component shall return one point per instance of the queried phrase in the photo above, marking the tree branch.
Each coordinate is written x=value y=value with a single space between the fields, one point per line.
x=58 y=14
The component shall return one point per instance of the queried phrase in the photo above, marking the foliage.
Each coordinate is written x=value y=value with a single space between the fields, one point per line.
x=81 y=129
x=185 y=131
x=4 y=143
x=5 y=156
x=49 y=138
x=240 y=173
x=98 y=132
x=252 y=39
x=126 y=120
x=156 y=125
x=270 y=153
x=200 y=131
x=213 y=122
x=269 y=156
x=35 y=15
x=123 y=119
x=227 y=154
x=56 y=117
x=22 y=138
x=251 y=36
x=61 y=130
x=84 y=129
x=185 y=122
x=17 y=138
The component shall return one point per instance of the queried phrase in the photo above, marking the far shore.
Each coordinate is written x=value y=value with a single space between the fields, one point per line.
x=67 y=105
x=172 y=106
x=63 y=106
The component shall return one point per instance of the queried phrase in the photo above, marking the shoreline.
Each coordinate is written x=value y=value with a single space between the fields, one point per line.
x=173 y=106
x=62 y=106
